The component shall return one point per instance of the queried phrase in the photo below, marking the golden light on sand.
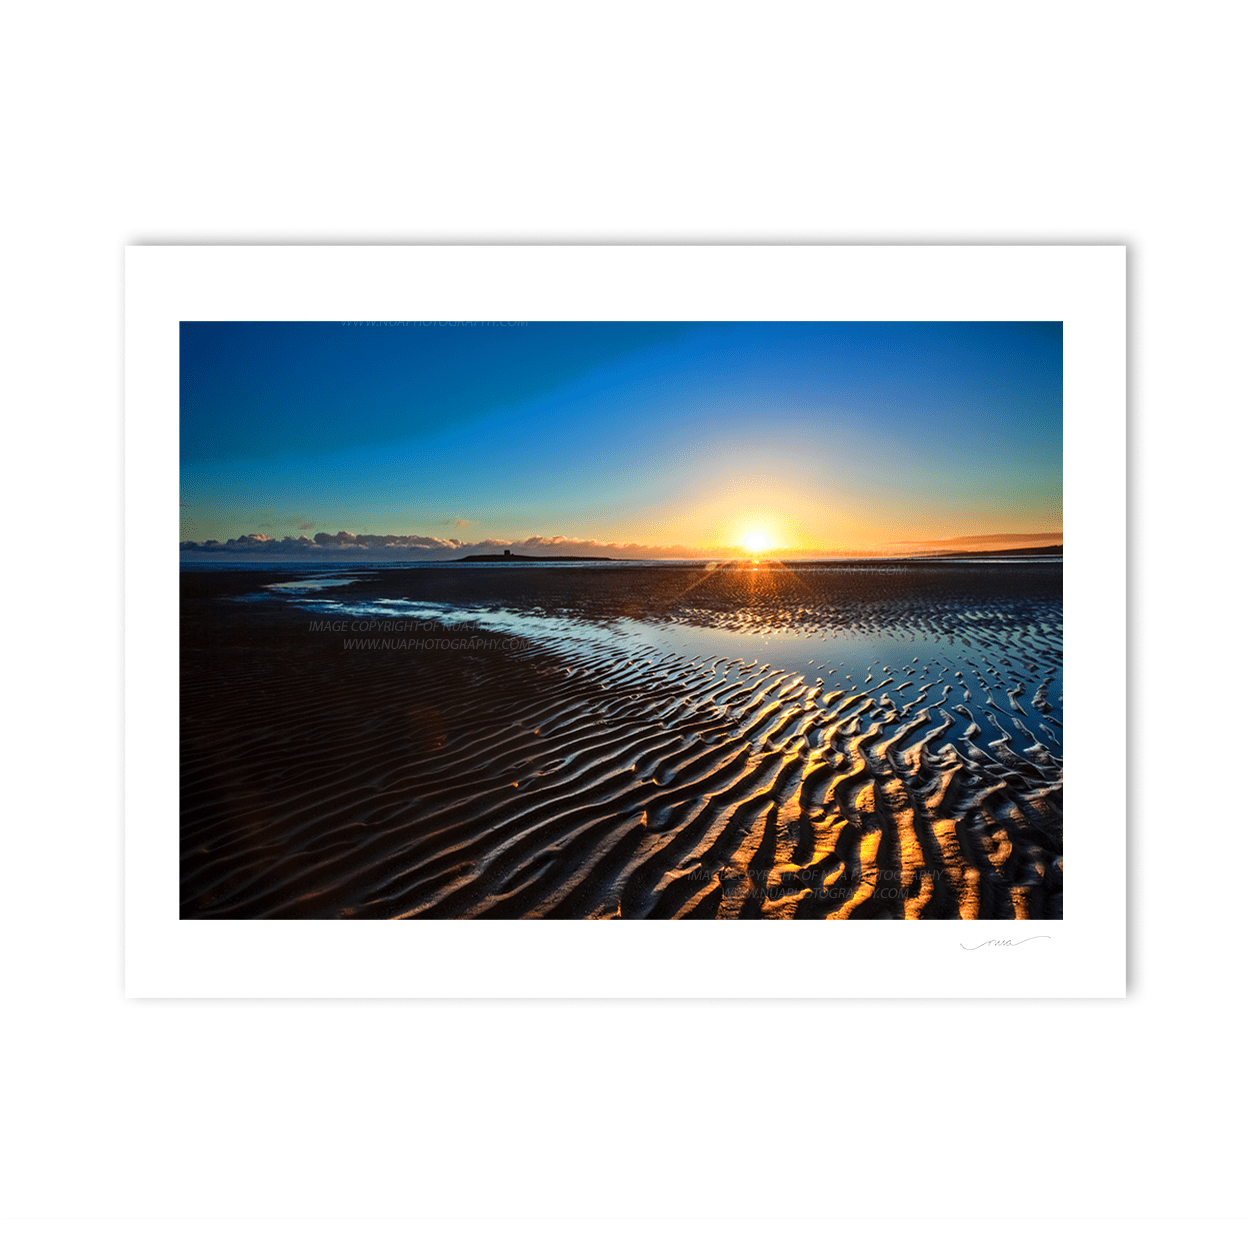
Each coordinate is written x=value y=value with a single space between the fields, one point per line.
x=612 y=740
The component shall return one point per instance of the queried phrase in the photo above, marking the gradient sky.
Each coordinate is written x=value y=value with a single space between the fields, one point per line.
x=812 y=437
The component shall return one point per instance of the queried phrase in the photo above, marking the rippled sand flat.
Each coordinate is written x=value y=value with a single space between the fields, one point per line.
x=846 y=741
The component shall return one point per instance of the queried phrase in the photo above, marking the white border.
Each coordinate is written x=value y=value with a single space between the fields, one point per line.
x=1084 y=954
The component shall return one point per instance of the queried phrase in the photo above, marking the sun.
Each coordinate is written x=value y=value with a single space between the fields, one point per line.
x=756 y=541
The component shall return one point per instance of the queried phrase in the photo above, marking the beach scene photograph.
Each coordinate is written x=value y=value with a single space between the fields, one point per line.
x=621 y=620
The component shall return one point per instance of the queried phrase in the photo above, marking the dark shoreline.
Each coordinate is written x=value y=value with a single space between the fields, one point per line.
x=303 y=566
x=508 y=558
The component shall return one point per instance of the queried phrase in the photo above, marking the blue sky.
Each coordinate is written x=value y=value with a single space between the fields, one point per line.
x=699 y=438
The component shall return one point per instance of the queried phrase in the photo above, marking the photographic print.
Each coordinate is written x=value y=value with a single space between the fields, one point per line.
x=621 y=620
x=687 y=584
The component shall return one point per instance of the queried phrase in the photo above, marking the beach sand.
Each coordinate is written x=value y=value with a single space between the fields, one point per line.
x=863 y=742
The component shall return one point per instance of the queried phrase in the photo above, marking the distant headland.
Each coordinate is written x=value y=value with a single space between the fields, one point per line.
x=509 y=558
x=1055 y=550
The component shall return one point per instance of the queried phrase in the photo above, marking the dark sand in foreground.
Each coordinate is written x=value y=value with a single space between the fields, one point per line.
x=525 y=776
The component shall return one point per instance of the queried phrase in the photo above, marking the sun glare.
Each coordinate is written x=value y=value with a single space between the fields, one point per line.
x=756 y=541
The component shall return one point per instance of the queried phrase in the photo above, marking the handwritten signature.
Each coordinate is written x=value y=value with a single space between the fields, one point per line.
x=1005 y=942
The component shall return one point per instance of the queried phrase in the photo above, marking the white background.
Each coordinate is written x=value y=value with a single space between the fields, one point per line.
x=257 y=1123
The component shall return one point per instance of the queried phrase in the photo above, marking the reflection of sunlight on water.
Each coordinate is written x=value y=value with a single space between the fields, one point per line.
x=306 y=584
x=994 y=676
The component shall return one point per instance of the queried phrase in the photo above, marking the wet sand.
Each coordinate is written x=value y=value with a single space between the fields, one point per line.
x=556 y=742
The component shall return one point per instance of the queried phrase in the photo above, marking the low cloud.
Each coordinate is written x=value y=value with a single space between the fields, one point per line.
x=346 y=544
x=252 y=542
x=344 y=541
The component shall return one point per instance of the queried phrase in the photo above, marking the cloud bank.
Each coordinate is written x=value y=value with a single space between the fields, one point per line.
x=347 y=545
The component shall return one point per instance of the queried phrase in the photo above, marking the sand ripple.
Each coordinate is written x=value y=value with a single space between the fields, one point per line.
x=581 y=778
